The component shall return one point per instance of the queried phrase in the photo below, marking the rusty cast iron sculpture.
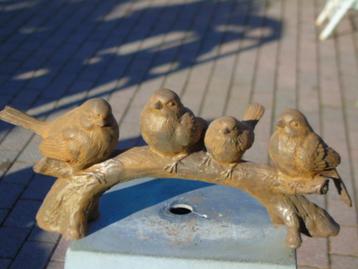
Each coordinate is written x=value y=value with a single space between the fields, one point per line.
x=77 y=145
x=78 y=139
x=227 y=139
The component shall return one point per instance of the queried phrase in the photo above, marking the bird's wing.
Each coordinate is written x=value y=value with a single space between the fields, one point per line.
x=321 y=156
x=185 y=129
x=183 y=134
x=245 y=139
x=65 y=145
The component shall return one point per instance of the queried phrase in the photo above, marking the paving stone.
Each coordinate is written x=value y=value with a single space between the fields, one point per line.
x=17 y=139
x=40 y=235
x=23 y=214
x=313 y=253
x=19 y=173
x=38 y=188
x=3 y=213
x=9 y=194
x=7 y=157
x=343 y=262
x=4 y=263
x=33 y=255
x=343 y=215
x=11 y=239
x=60 y=251
x=345 y=243
x=55 y=265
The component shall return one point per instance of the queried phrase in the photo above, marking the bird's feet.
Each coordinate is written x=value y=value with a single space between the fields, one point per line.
x=206 y=160
x=172 y=167
x=228 y=172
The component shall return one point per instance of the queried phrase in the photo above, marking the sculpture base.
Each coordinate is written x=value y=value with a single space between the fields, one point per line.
x=168 y=223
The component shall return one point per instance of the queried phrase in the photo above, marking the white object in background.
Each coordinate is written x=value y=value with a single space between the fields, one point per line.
x=333 y=11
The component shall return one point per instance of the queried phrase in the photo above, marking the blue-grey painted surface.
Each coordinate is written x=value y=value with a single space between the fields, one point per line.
x=227 y=229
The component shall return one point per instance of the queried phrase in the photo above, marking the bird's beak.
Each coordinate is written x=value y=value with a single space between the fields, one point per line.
x=280 y=124
x=158 y=105
x=103 y=122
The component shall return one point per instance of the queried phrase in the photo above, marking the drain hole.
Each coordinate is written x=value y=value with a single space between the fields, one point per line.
x=180 y=209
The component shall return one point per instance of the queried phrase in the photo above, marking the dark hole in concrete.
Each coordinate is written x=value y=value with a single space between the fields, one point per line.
x=180 y=209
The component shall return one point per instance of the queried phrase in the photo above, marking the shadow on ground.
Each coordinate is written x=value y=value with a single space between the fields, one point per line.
x=120 y=204
x=33 y=188
x=95 y=47
x=53 y=50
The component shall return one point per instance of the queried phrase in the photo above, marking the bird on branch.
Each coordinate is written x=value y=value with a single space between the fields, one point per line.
x=80 y=138
x=297 y=151
x=169 y=128
x=227 y=139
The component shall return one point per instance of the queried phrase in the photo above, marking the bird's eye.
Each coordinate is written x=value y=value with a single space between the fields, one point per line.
x=294 y=124
x=226 y=131
x=171 y=103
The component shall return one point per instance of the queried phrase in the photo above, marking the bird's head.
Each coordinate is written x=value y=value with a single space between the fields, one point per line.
x=293 y=123
x=166 y=103
x=226 y=126
x=96 y=112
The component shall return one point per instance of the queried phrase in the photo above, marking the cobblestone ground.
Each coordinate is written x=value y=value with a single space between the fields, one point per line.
x=218 y=55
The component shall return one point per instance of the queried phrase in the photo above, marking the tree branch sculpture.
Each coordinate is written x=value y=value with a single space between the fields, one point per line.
x=73 y=199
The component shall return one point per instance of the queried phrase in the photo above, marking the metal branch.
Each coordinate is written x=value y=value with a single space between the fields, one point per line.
x=73 y=200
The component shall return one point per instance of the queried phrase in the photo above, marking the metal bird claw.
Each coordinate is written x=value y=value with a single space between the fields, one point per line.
x=76 y=148
x=228 y=172
x=206 y=160
x=172 y=167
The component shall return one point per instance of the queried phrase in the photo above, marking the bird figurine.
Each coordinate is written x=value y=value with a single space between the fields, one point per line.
x=227 y=139
x=297 y=151
x=169 y=128
x=80 y=138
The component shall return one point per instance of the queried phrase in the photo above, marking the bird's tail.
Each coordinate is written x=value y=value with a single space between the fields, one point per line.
x=253 y=114
x=340 y=186
x=16 y=117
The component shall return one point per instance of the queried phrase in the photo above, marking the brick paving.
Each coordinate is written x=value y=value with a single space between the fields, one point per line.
x=218 y=55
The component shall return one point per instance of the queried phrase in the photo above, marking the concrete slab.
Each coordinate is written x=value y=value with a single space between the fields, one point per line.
x=170 y=223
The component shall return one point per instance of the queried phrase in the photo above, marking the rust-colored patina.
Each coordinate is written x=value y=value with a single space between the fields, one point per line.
x=302 y=162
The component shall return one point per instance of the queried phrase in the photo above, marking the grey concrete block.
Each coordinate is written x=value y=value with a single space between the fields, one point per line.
x=33 y=255
x=23 y=214
x=216 y=227
x=11 y=239
x=9 y=194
